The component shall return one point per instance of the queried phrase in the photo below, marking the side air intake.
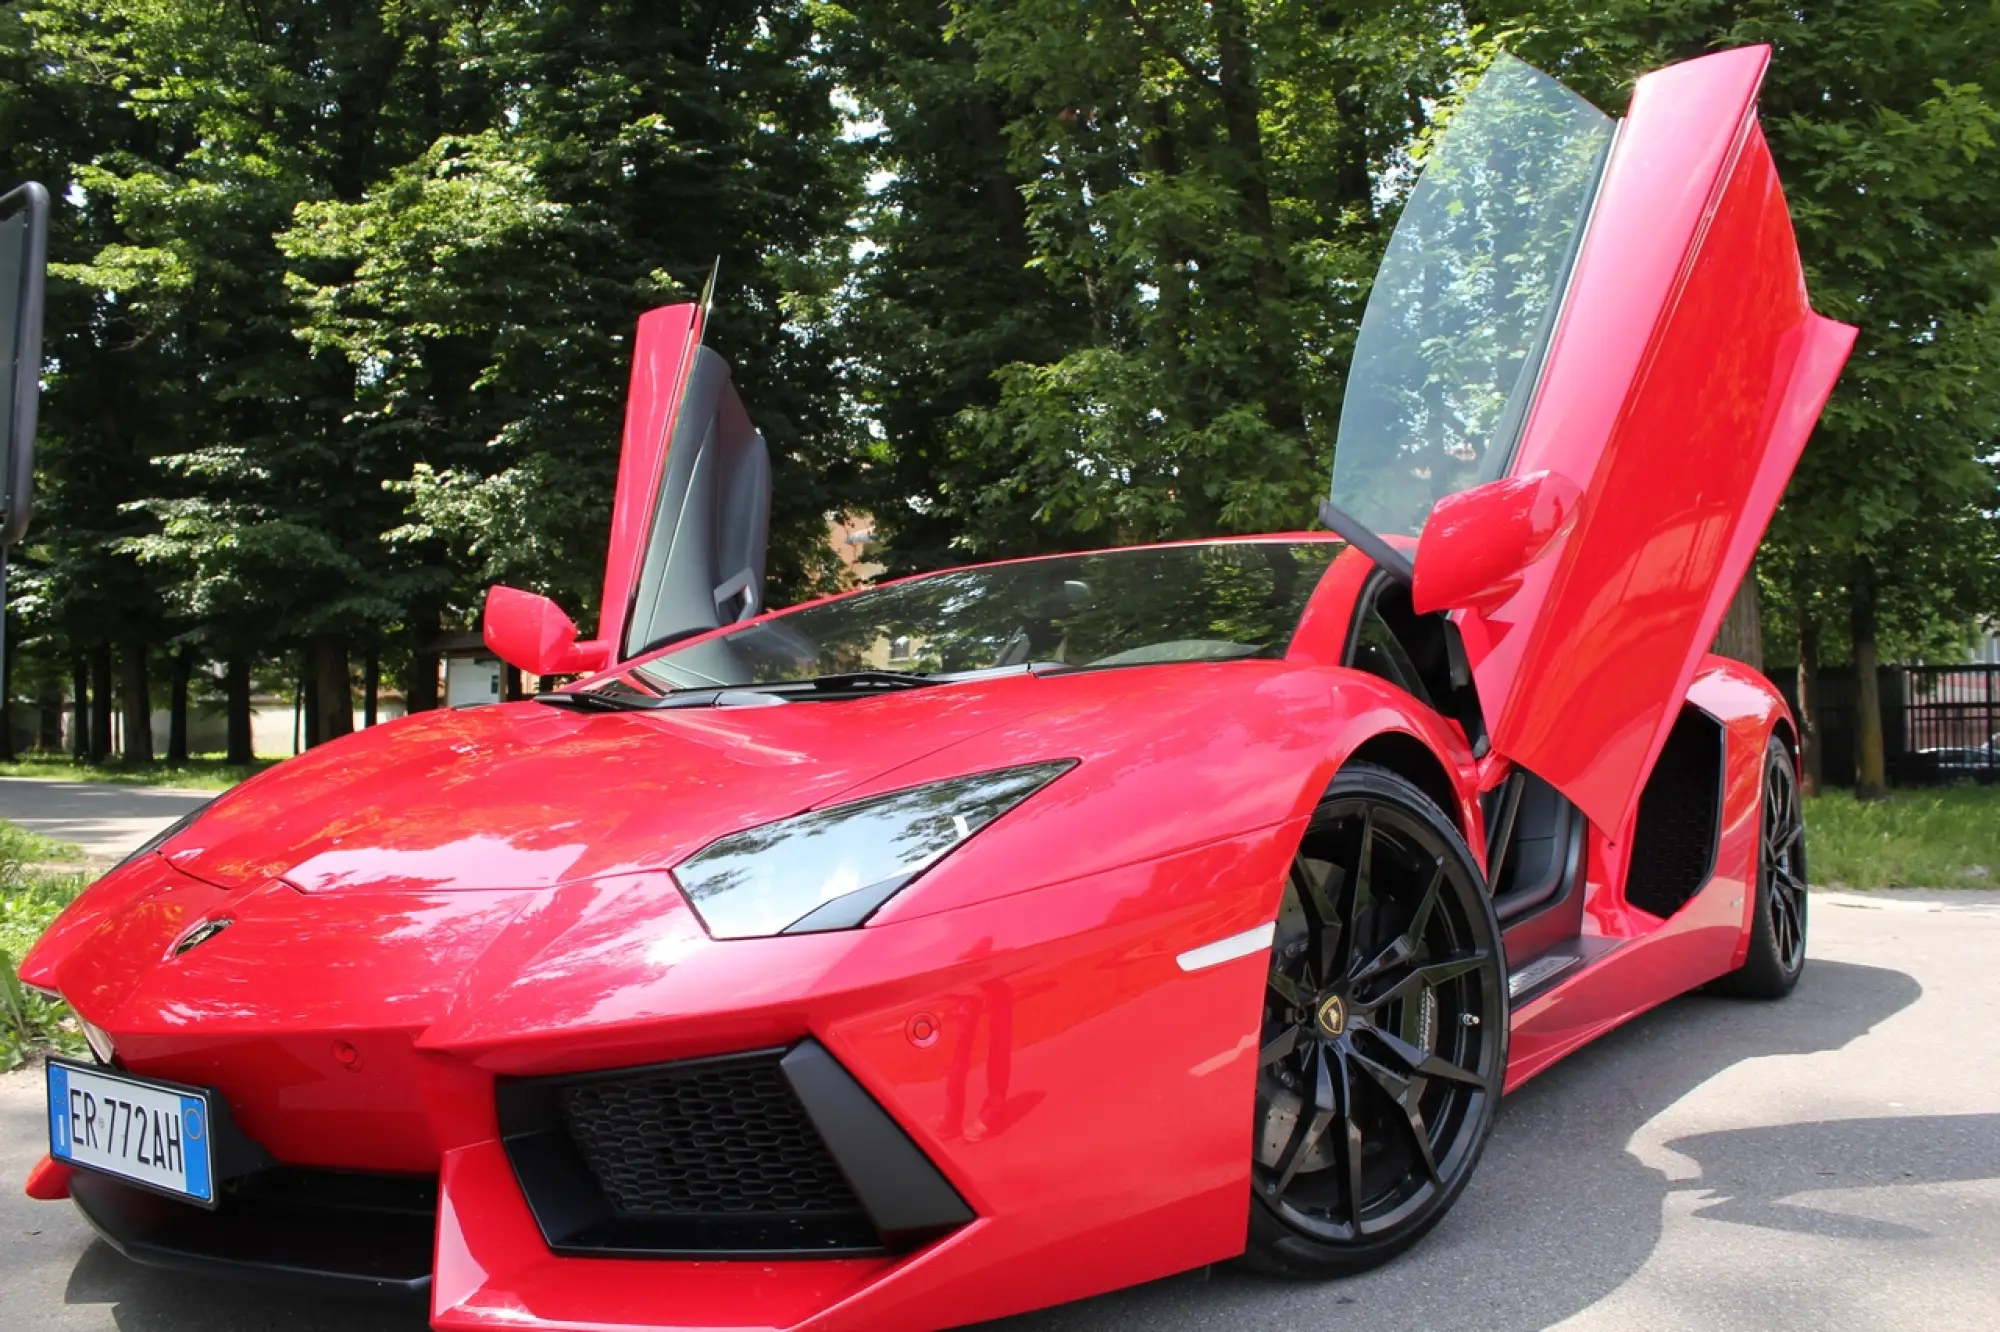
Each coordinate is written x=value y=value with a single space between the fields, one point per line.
x=1680 y=814
x=763 y=1154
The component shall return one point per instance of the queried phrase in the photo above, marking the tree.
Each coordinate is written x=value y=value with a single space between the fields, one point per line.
x=484 y=292
x=1196 y=186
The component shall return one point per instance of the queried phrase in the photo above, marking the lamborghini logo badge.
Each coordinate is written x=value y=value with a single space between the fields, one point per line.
x=1333 y=1016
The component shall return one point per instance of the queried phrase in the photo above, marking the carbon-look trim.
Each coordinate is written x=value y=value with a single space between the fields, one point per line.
x=905 y=1196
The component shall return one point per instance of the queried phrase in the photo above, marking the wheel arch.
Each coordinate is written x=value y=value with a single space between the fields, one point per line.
x=1417 y=763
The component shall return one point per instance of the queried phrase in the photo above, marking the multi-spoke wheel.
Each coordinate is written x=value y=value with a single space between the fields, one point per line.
x=1777 y=952
x=1385 y=1033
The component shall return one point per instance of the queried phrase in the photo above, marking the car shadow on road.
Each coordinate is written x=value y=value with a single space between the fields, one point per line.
x=1562 y=1213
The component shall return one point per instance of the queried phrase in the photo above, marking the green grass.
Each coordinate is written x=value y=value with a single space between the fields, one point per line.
x=29 y=900
x=203 y=773
x=1946 y=838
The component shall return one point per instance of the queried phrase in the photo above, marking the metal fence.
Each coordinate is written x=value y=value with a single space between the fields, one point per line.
x=1951 y=724
x=1940 y=724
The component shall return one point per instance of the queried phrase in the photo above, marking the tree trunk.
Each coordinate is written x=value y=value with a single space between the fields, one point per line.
x=305 y=705
x=79 y=716
x=510 y=684
x=236 y=691
x=1741 y=637
x=420 y=690
x=100 y=702
x=177 y=707
x=332 y=698
x=1870 y=767
x=1810 y=762
x=138 y=701
x=49 y=709
x=371 y=688
x=1238 y=89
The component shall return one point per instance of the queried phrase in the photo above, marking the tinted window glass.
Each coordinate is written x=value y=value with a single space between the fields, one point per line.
x=1466 y=297
x=1379 y=652
x=1117 y=608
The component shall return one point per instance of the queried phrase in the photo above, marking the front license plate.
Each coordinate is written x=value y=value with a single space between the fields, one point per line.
x=151 y=1133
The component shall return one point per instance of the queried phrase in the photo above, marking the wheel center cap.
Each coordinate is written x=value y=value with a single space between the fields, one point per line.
x=1333 y=1016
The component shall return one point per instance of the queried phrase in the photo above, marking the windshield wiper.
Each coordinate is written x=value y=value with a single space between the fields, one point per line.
x=592 y=701
x=782 y=691
x=842 y=682
x=885 y=681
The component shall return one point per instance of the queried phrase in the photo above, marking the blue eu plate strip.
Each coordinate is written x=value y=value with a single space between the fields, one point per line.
x=58 y=1111
x=194 y=1132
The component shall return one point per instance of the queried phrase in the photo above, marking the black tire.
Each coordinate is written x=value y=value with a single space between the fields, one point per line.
x=1777 y=954
x=1384 y=1044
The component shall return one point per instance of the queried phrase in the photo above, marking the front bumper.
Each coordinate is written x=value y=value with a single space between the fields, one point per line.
x=1084 y=1100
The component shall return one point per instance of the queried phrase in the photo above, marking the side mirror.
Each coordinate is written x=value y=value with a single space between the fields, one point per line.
x=531 y=632
x=24 y=225
x=1477 y=542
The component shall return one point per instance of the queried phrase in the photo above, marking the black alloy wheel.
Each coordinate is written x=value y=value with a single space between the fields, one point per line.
x=1384 y=1039
x=1777 y=953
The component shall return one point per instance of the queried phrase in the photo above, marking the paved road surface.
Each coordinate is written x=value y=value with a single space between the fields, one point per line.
x=106 y=820
x=1828 y=1163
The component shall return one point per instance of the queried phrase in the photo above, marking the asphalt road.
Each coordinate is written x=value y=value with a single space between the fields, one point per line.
x=106 y=820
x=1831 y=1162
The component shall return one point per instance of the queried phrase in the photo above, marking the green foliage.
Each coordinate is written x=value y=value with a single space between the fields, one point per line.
x=199 y=773
x=29 y=900
x=1187 y=206
x=343 y=292
x=337 y=287
x=1916 y=839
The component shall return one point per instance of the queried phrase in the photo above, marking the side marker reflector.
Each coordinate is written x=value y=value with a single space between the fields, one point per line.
x=1228 y=950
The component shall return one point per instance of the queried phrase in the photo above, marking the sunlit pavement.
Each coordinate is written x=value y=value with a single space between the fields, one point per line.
x=1828 y=1162
x=106 y=820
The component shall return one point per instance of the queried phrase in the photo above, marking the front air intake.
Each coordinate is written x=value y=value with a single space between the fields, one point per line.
x=762 y=1154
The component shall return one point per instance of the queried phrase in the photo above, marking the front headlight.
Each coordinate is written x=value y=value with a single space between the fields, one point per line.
x=830 y=869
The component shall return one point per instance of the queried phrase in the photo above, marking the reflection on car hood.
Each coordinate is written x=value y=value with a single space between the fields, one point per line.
x=516 y=796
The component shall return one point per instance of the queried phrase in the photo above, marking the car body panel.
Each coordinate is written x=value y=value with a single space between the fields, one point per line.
x=1059 y=1008
x=662 y=358
x=1676 y=397
x=1657 y=960
x=420 y=915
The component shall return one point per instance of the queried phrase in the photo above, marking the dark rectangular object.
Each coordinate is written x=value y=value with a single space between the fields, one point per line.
x=334 y=1231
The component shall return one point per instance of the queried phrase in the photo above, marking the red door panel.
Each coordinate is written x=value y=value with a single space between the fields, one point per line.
x=662 y=359
x=1683 y=379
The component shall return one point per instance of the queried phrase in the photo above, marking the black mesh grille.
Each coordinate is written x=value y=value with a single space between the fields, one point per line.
x=716 y=1139
x=1673 y=849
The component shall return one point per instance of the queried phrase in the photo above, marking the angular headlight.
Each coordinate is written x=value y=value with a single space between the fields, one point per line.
x=830 y=869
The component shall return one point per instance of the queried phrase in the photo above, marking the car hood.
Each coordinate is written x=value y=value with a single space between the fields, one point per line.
x=531 y=796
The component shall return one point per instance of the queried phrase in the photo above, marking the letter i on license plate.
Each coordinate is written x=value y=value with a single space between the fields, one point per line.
x=154 y=1134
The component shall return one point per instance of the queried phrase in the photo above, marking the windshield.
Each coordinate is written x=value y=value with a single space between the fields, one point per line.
x=1212 y=602
x=1465 y=299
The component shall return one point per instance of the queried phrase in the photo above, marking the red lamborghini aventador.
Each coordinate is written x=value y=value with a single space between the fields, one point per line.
x=1004 y=935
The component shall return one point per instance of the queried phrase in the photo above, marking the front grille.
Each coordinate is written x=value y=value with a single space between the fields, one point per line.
x=714 y=1138
x=714 y=1157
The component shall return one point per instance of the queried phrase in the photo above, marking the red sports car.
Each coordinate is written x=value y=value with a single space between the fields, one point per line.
x=1004 y=935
